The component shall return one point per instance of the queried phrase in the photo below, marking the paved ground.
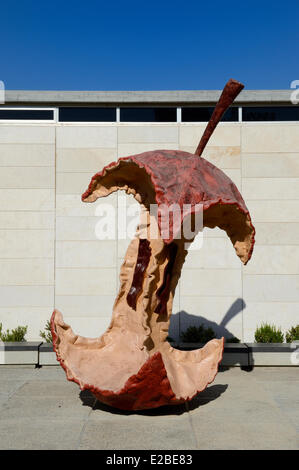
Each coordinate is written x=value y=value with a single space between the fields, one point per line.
x=39 y=409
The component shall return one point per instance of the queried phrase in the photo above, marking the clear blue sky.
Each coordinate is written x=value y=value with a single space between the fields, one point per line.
x=152 y=45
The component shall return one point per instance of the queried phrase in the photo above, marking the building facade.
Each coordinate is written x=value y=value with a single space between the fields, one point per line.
x=51 y=144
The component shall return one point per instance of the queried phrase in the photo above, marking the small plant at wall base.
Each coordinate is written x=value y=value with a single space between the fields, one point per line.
x=197 y=334
x=292 y=334
x=267 y=333
x=16 y=335
x=46 y=335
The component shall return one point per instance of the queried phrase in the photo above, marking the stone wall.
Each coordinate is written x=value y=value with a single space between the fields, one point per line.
x=50 y=254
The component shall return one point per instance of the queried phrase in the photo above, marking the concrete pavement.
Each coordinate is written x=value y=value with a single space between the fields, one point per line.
x=40 y=409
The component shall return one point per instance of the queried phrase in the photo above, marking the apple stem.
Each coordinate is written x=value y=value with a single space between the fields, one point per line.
x=229 y=93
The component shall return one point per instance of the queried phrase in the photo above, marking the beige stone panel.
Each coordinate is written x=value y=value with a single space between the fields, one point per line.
x=76 y=228
x=27 y=154
x=270 y=259
x=147 y=133
x=85 y=281
x=215 y=253
x=174 y=325
x=89 y=327
x=26 y=243
x=270 y=288
x=71 y=204
x=16 y=134
x=214 y=232
x=85 y=254
x=271 y=165
x=119 y=265
x=27 y=220
x=24 y=272
x=96 y=306
x=222 y=314
x=211 y=282
x=235 y=176
x=222 y=157
x=190 y=135
x=127 y=149
x=176 y=301
x=72 y=183
x=215 y=308
x=273 y=233
x=270 y=137
x=127 y=221
x=122 y=246
x=274 y=211
x=281 y=314
x=86 y=137
x=80 y=159
x=27 y=199
x=28 y=296
x=270 y=188
x=35 y=318
x=82 y=228
x=27 y=177
x=125 y=200
x=224 y=136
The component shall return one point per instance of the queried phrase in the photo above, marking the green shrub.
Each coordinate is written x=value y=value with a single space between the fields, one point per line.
x=267 y=333
x=197 y=334
x=233 y=339
x=18 y=334
x=292 y=334
x=46 y=335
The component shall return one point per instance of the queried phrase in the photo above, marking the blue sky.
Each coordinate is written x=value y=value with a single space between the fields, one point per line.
x=154 y=45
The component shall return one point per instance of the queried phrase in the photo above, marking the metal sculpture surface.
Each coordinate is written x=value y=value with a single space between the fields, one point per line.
x=132 y=365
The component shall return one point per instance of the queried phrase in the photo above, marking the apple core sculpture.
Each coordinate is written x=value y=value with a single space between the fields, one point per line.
x=132 y=366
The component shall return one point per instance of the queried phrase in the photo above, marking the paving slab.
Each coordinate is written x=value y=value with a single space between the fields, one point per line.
x=9 y=387
x=246 y=416
x=40 y=434
x=275 y=374
x=50 y=373
x=152 y=433
x=44 y=408
x=49 y=388
x=40 y=409
x=165 y=427
x=285 y=394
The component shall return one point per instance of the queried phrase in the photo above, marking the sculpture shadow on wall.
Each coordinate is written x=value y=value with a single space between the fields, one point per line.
x=181 y=320
x=211 y=393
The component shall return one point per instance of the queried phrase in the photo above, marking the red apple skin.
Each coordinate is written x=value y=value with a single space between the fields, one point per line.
x=180 y=178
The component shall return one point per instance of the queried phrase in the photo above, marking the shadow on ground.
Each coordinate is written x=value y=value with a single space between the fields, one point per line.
x=209 y=394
